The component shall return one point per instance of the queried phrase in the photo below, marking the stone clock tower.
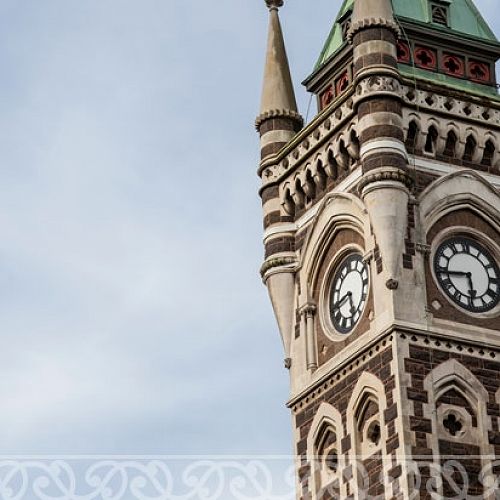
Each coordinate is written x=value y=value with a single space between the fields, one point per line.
x=382 y=251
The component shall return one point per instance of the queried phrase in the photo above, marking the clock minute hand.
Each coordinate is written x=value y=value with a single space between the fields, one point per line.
x=469 y=278
x=456 y=273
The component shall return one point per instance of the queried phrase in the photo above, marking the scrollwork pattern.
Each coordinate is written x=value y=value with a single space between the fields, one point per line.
x=174 y=478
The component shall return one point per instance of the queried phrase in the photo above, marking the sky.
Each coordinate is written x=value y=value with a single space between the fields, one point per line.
x=133 y=318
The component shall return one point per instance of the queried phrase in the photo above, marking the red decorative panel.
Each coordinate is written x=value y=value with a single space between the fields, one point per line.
x=425 y=58
x=453 y=65
x=479 y=71
x=404 y=54
x=326 y=97
x=342 y=83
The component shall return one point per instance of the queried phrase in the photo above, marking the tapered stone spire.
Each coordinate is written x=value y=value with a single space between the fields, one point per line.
x=278 y=102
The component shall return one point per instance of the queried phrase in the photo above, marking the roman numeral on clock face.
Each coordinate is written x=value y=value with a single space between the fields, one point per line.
x=468 y=274
x=349 y=293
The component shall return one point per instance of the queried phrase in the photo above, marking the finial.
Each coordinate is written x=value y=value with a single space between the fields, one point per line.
x=274 y=4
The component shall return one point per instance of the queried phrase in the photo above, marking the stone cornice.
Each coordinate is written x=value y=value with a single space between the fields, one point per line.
x=432 y=339
x=390 y=174
x=373 y=23
x=279 y=113
x=285 y=263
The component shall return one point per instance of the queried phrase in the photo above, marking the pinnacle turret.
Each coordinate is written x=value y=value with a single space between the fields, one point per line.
x=278 y=96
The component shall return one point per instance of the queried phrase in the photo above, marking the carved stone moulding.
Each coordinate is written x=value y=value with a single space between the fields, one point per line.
x=279 y=113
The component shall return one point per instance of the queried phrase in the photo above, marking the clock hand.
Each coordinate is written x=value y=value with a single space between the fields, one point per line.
x=353 y=309
x=341 y=301
x=471 y=285
x=455 y=273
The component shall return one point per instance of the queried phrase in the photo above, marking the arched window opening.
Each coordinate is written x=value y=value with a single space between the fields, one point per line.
x=489 y=152
x=309 y=186
x=451 y=144
x=326 y=466
x=299 y=195
x=344 y=158
x=332 y=167
x=288 y=203
x=354 y=146
x=320 y=177
x=368 y=425
x=430 y=143
x=411 y=137
x=470 y=148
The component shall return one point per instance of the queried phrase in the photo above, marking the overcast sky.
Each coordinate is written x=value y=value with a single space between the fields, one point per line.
x=132 y=315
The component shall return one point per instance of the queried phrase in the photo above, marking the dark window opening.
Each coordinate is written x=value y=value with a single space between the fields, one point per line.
x=452 y=424
x=440 y=14
x=374 y=433
x=345 y=26
x=489 y=152
x=470 y=148
x=451 y=144
x=332 y=461
x=411 y=138
x=430 y=143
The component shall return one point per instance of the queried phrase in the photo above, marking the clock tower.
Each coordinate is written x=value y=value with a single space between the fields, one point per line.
x=382 y=251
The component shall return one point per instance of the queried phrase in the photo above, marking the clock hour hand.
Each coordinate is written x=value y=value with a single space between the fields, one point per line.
x=342 y=300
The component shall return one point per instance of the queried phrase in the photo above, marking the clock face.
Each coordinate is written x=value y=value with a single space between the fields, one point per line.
x=468 y=274
x=349 y=293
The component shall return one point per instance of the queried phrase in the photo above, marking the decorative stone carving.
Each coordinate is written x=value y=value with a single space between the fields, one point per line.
x=373 y=23
x=376 y=84
x=279 y=113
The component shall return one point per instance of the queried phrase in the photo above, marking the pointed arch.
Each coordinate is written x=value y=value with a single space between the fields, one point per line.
x=456 y=191
x=337 y=211
x=457 y=408
x=323 y=449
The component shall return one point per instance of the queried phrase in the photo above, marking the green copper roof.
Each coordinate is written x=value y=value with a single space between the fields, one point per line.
x=464 y=19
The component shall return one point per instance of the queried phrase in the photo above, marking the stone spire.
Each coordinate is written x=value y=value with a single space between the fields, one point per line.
x=278 y=97
x=371 y=13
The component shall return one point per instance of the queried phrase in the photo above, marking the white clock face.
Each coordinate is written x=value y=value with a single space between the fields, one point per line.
x=468 y=274
x=349 y=293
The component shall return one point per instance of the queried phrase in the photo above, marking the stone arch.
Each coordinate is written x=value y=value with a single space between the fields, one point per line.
x=331 y=165
x=490 y=150
x=308 y=184
x=463 y=189
x=341 y=154
x=324 y=451
x=412 y=135
x=337 y=211
x=367 y=430
x=288 y=203
x=452 y=141
x=319 y=173
x=457 y=409
x=472 y=151
x=431 y=141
